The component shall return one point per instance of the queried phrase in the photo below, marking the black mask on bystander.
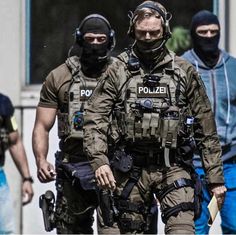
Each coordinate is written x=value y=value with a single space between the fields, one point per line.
x=205 y=47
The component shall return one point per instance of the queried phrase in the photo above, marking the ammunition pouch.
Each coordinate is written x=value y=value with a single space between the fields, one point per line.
x=78 y=173
x=75 y=169
x=170 y=123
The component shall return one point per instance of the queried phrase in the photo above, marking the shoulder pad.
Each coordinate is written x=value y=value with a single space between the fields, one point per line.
x=73 y=64
x=124 y=57
x=6 y=108
x=113 y=60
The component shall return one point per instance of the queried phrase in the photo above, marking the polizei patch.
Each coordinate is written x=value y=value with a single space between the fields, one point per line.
x=86 y=93
x=157 y=91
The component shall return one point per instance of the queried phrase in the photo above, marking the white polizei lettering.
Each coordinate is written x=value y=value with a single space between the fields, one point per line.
x=140 y=89
x=145 y=90
x=87 y=93
x=162 y=90
x=153 y=90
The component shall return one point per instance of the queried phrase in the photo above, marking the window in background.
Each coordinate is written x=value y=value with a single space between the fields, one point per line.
x=51 y=25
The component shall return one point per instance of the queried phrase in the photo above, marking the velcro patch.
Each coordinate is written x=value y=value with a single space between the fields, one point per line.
x=86 y=93
x=155 y=92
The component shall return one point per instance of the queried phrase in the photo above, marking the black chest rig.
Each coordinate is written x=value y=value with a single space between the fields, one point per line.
x=70 y=123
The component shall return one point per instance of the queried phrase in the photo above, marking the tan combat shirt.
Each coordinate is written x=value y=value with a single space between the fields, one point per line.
x=107 y=95
x=53 y=95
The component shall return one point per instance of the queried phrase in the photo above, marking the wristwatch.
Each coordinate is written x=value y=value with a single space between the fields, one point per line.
x=30 y=179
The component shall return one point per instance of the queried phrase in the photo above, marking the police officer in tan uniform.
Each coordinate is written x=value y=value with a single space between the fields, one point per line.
x=162 y=111
x=64 y=95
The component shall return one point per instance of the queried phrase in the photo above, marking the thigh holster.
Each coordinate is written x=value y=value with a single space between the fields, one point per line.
x=185 y=206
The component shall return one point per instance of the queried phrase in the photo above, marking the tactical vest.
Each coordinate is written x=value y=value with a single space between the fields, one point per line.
x=70 y=124
x=151 y=109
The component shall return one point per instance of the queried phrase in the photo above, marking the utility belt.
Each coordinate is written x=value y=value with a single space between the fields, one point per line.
x=125 y=160
x=155 y=159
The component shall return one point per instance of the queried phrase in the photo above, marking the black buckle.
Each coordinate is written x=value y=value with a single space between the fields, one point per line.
x=186 y=206
x=179 y=183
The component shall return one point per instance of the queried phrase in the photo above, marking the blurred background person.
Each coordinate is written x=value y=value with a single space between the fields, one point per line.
x=10 y=139
x=218 y=70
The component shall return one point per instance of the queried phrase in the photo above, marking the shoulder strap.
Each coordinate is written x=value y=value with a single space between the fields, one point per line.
x=133 y=66
x=133 y=179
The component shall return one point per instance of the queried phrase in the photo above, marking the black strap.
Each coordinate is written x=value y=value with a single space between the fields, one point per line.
x=134 y=177
x=174 y=211
x=182 y=182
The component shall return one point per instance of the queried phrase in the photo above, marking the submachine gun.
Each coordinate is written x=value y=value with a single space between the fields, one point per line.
x=47 y=204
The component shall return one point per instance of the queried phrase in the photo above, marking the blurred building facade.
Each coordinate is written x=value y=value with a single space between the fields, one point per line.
x=19 y=61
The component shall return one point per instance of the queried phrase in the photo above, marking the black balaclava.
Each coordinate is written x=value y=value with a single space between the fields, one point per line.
x=94 y=56
x=205 y=47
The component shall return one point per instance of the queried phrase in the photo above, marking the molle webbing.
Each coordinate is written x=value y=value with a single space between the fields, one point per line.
x=146 y=123
x=70 y=122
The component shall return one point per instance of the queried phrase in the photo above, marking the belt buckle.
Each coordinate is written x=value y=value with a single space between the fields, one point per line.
x=179 y=183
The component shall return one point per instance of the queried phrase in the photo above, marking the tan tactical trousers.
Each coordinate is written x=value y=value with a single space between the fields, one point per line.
x=75 y=209
x=153 y=179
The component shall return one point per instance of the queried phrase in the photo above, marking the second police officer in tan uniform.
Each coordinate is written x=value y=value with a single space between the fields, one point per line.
x=160 y=105
x=64 y=95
